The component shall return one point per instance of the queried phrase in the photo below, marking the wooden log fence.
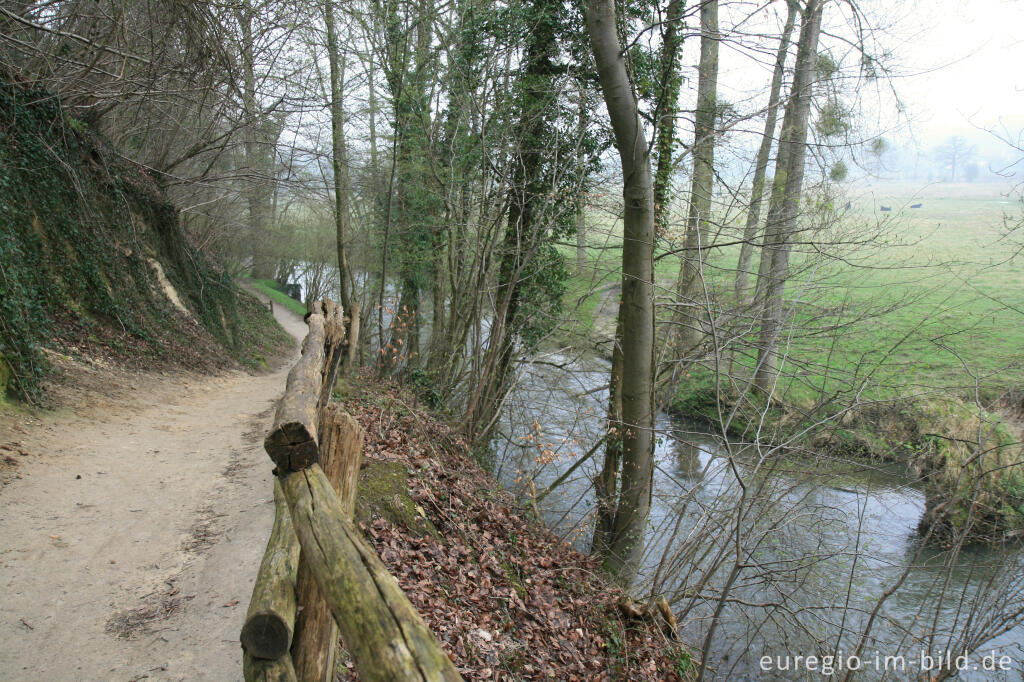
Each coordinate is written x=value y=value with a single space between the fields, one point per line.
x=318 y=577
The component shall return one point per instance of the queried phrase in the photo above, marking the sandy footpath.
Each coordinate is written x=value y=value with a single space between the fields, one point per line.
x=131 y=534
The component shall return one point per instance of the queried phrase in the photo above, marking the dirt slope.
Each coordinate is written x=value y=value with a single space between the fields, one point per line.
x=131 y=530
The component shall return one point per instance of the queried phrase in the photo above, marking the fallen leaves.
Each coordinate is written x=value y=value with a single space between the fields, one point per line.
x=506 y=598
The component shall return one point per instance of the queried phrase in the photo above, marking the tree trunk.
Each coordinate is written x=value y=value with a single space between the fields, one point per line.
x=256 y=191
x=581 y=238
x=339 y=161
x=763 y=153
x=690 y=325
x=786 y=191
x=636 y=312
x=583 y=121
x=665 y=114
x=527 y=225
x=606 y=484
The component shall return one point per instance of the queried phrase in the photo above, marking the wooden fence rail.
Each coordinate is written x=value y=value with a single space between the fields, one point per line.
x=319 y=578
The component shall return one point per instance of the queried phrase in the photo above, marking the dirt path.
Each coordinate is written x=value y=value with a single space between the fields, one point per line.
x=131 y=536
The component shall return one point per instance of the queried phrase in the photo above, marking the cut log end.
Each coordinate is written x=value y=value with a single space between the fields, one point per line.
x=291 y=449
x=266 y=635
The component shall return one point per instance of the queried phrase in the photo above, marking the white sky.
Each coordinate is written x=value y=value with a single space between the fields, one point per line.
x=956 y=67
x=964 y=63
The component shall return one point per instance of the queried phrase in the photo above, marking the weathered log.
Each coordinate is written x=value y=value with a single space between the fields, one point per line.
x=345 y=437
x=657 y=611
x=334 y=341
x=264 y=670
x=352 y=339
x=267 y=632
x=316 y=635
x=292 y=441
x=628 y=608
x=385 y=635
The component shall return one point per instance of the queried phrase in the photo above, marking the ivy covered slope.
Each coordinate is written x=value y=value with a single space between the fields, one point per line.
x=91 y=256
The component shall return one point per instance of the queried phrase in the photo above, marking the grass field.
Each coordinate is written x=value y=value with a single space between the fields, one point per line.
x=894 y=303
x=269 y=288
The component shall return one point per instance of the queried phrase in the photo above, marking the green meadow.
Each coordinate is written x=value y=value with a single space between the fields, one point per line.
x=883 y=304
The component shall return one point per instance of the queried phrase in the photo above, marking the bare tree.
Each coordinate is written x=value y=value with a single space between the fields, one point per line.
x=753 y=223
x=954 y=154
x=787 y=187
x=702 y=183
x=624 y=546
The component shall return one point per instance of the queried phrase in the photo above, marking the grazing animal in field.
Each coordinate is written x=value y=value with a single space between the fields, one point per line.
x=915 y=206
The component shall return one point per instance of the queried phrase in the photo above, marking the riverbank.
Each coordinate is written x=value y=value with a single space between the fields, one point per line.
x=505 y=596
x=963 y=456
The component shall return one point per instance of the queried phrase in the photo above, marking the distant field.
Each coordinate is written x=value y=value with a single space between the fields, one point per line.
x=900 y=302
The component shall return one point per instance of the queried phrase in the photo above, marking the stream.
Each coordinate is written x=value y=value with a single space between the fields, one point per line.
x=820 y=543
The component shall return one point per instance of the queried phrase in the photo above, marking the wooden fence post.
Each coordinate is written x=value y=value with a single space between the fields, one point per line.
x=316 y=635
x=292 y=442
x=264 y=670
x=340 y=584
x=381 y=629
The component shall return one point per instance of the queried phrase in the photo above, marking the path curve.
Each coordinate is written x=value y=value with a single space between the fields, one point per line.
x=130 y=540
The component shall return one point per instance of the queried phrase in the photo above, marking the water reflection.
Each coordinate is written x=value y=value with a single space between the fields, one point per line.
x=689 y=459
x=818 y=544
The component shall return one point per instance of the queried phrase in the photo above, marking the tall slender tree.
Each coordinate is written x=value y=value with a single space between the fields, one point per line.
x=261 y=131
x=702 y=182
x=412 y=205
x=623 y=548
x=753 y=222
x=787 y=187
x=339 y=160
x=531 y=272
x=670 y=80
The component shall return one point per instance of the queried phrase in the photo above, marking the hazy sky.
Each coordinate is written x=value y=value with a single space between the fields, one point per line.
x=964 y=62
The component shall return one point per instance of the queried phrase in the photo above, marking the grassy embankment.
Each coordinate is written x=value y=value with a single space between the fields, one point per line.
x=269 y=288
x=914 y=312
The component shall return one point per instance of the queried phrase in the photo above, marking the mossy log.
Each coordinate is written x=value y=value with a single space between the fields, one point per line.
x=352 y=340
x=264 y=670
x=385 y=635
x=334 y=341
x=316 y=635
x=292 y=442
x=267 y=632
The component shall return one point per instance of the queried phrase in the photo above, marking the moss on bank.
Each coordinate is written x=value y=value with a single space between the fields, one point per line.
x=384 y=493
x=90 y=251
x=967 y=459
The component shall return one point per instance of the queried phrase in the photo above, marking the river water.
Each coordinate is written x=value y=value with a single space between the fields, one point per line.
x=819 y=544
